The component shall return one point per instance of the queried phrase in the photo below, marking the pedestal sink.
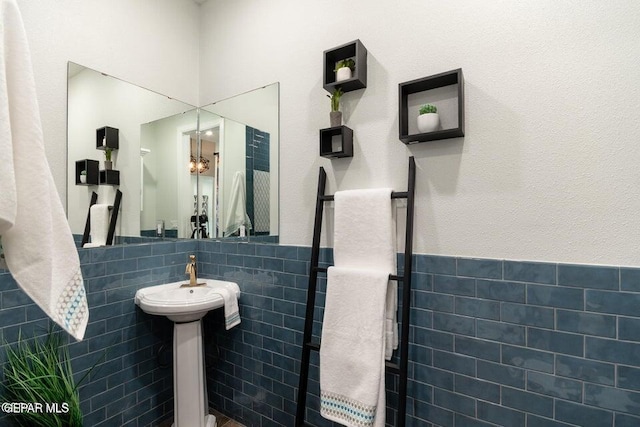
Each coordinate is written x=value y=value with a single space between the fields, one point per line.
x=186 y=306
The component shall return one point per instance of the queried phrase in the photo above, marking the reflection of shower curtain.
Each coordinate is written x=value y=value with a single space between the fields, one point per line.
x=261 y=188
x=237 y=213
x=258 y=179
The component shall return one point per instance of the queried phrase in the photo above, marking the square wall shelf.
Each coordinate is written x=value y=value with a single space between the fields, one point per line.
x=91 y=168
x=107 y=137
x=109 y=177
x=354 y=50
x=336 y=142
x=445 y=91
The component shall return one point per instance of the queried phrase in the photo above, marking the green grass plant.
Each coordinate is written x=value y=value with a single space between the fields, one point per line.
x=38 y=370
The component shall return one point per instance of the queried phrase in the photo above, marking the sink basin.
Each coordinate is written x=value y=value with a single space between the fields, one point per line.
x=183 y=304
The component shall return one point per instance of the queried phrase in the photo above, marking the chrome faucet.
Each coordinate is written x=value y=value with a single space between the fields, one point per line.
x=192 y=271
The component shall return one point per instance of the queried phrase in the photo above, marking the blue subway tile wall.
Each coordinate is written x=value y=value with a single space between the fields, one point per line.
x=493 y=343
x=128 y=385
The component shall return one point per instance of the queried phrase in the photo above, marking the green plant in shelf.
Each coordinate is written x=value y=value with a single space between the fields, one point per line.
x=335 y=99
x=107 y=153
x=428 y=108
x=346 y=63
x=82 y=173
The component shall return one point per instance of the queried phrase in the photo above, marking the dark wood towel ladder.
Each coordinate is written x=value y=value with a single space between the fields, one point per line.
x=308 y=345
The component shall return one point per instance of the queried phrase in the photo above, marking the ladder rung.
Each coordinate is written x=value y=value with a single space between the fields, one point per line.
x=313 y=345
x=394 y=195
x=392 y=367
x=391 y=276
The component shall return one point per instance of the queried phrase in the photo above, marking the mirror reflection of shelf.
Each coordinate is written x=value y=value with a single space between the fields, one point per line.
x=109 y=177
x=446 y=91
x=107 y=137
x=90 y=167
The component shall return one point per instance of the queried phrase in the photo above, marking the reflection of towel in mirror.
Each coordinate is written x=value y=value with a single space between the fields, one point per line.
x=37 y=242
x=237 y=213
x=99 y=214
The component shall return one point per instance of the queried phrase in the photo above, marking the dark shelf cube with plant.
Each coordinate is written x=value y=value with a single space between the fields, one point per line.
x=445 y=89
x=355 y=51
x=336 y=142
x=107 y=137
x=90 y=168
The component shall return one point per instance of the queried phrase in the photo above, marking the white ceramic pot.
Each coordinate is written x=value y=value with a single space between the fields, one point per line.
x=343 y=73
x=83 y=179
x=428 y=122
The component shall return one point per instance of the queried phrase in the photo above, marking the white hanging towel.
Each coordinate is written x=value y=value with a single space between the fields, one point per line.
x=231 y=309
x=356 y=318
x=365 y=237
x=237 y=214
x=99 y=218
x=38 y=245
x=352 y=347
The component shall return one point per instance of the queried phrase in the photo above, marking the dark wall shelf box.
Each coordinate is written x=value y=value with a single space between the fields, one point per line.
x=358 y=80
x=91 y=168
x=336 y=142
x=446 y=91
x=109 y=177
x=109 y=135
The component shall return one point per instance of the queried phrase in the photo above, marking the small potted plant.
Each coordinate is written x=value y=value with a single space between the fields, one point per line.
x=344 y=68
x=335 y=116
x=83 y=177
x=108 y=164
x=429 y=119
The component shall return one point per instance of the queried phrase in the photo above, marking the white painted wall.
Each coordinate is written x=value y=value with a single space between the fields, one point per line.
x=549 y=167
x=547 y=171
x=153 y=43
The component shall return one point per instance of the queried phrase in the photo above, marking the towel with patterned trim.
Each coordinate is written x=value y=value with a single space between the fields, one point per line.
x=38 y=246
x=231 y=308
x=352 y=387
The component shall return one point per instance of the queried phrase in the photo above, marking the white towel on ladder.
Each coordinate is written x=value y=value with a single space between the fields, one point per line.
x=38 y=245
x=356 y=318
x=352 y=347
x=365 y=237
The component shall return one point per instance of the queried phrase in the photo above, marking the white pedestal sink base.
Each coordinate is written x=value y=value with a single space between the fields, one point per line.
x=190 y=405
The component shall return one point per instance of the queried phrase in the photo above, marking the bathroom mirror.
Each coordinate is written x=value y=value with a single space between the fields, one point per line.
x=158 y=164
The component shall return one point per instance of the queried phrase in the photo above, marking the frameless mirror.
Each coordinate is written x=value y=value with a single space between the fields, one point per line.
x=176 y=179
